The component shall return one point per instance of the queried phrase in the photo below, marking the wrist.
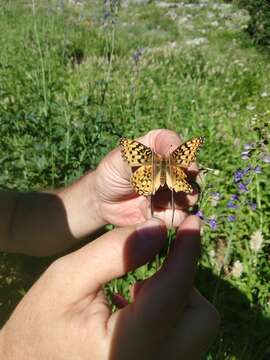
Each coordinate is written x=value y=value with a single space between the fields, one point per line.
x=93 y=205
x=82 y=206
x=3 y=353
x=1 y=345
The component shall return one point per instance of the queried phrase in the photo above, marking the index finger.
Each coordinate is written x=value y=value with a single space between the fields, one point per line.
x=163 y=296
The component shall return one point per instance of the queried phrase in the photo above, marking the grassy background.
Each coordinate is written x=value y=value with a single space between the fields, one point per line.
x=74 y=78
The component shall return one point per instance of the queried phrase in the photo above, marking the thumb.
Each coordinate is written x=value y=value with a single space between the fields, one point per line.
x=110 y=256
x=161 y=140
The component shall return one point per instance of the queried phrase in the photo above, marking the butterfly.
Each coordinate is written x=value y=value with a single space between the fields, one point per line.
x=155 y=170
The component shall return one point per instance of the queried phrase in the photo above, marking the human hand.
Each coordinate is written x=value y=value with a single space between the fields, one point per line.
x=66 y=316
x=118 y=202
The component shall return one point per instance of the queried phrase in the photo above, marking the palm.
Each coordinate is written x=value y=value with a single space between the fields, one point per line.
x=119 y=204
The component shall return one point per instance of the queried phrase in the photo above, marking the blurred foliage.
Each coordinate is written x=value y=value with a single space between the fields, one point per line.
x=259 y=23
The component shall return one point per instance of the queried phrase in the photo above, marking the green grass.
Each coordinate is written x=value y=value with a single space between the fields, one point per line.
x=70 y=89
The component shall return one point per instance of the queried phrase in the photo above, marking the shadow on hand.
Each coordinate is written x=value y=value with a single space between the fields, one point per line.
x=19 y=272
x=163 y=197
x=244 y=330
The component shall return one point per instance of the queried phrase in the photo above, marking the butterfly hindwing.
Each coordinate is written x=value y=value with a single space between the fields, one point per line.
x=142 y=180
x=176 y=180
x=186 y=153
x=135 y=153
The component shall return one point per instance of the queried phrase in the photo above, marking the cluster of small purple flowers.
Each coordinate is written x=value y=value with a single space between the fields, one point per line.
x=249 y=149
x=137 y=55
x=110 y=9
x=211 y=221
x=242 y=178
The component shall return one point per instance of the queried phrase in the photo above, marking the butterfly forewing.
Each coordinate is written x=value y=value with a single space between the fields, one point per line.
x=135 y=153
x=186 y=153
x=142 y=180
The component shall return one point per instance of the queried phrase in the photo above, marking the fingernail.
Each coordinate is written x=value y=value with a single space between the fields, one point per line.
x=152 y=228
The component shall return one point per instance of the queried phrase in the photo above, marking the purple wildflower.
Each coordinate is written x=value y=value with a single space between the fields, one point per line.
x=212 y=222
x=253 y=205
x=136 y=56
x=234 y=197
x=231 y=218
x=106 y=14
x=231 y=205
x=215 y=195
x=245 y=155
x=242 y=187
x=238 y=175
x=248 y=146
x=257 y=169
x=246 y=170
x=199 y=214
x=266 y=158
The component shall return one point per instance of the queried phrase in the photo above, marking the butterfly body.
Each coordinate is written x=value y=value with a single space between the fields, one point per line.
x=160 y=168
x=154 y=170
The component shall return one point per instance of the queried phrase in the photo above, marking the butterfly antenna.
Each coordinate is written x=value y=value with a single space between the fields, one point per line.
x=172 y=198
x=153 y=185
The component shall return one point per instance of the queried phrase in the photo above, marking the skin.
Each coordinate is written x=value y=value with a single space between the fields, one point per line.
x=65 y=315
